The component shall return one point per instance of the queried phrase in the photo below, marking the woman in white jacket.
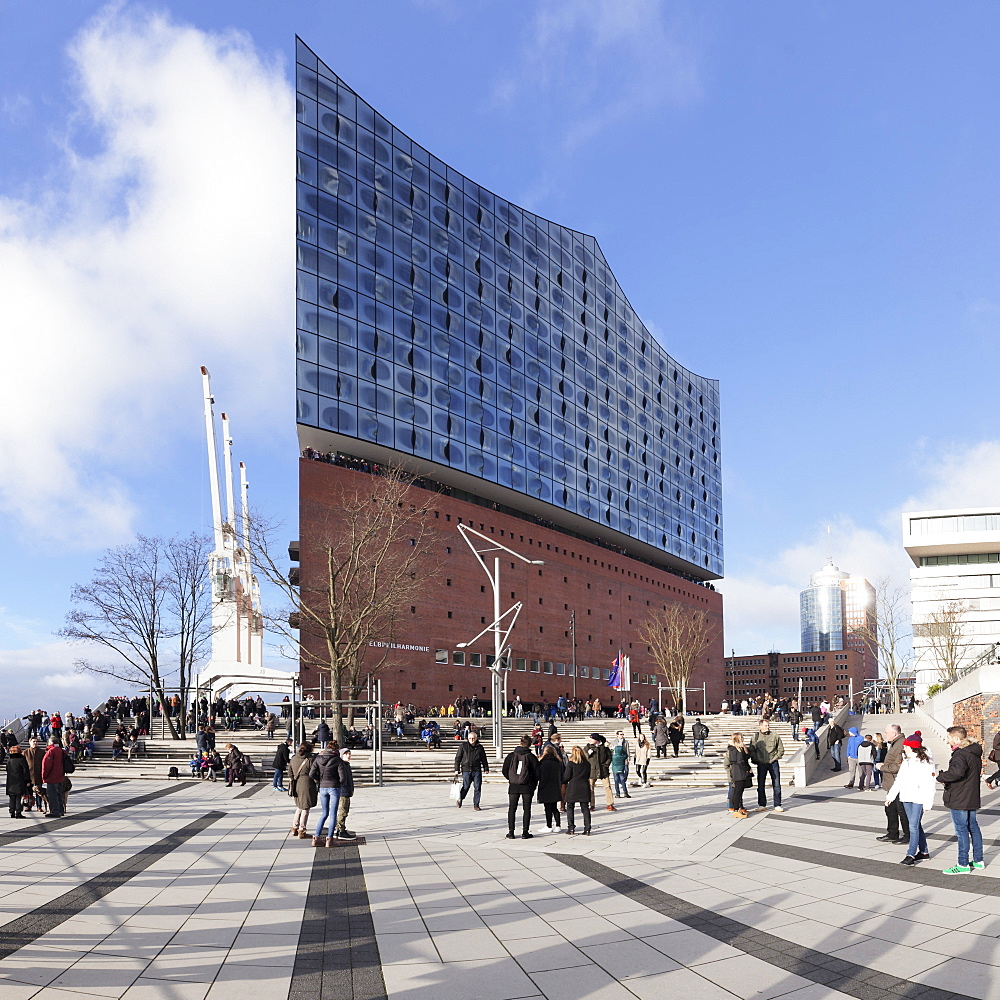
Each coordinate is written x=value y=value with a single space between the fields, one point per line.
x=914 y=787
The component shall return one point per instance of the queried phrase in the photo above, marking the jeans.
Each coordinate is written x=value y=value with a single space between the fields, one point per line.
x=835 y=755
x=329 y=800
x=621 y=783
x=966 y=829
x=773 y=771
x=54 y=791
x=918 y=840
x=698 y=747
x=473 y=779
x=277 y=778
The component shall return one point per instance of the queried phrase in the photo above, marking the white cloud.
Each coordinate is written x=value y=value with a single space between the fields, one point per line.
x=761 y=605
x=123 y=269
x=44 y=676
x=600 y=62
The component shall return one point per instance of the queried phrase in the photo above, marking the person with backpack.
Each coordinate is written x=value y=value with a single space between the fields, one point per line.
x=520 y=768
x=699 y=733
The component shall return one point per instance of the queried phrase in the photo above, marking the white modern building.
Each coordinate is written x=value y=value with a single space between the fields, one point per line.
x=956 y=572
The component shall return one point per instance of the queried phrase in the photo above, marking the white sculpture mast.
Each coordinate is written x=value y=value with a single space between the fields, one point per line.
x=237 y=625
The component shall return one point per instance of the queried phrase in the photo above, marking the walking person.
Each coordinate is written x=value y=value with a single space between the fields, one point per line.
x=325 y=771
x=866 y=765
x=471 y=763
x=521 y=771
x=600 y=769
x=699 y=733
x=913 y=787
x=281 y=757
x=303 y=789
x=897 y=826
x=18 y=781
x=660 y=736
x=550 y=786
x=962 y=799
x=576 y=778
x=738 y=770
x=235 y=766
x=854 y=740
x=765 y=750
x=642 y=752
x=795 y=718
x=635 y=718
x=675 y=733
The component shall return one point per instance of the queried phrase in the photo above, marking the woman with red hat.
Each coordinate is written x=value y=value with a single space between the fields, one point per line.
x=914 y=787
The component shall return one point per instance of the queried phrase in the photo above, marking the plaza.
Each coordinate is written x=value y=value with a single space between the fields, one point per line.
x=191 y=890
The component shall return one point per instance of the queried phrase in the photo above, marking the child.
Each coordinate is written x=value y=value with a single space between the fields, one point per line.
x=346 y=791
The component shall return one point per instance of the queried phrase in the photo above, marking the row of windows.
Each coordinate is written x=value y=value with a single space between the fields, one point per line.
x=460 y=658
x=972 y=559
x=954 y=522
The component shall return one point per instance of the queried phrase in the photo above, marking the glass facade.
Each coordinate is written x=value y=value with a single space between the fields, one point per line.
x=442 y=322
x=821 y=611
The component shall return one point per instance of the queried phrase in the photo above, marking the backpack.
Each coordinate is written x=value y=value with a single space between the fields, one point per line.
x=520 y=773
x=69 y=765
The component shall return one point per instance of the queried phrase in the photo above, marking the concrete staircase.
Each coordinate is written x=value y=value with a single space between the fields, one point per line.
x=409 y=760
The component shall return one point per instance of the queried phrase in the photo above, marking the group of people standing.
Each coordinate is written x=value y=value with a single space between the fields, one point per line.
x=38 y=777
x=324 y=779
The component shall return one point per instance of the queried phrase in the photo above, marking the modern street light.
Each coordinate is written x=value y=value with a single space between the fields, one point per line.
x=572 y=632
x=501 y=631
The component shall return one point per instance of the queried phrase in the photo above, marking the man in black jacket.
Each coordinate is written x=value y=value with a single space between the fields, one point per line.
x=471 y=763
x=961 y=796
x=599 y=757
x=521 y=771
x=280 y=762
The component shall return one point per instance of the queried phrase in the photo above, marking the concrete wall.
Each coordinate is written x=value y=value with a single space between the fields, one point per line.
x=803 y=766
x=972 y=701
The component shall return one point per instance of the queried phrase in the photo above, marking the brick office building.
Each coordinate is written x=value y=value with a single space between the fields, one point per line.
x=492 y=352
x=824 y=675
x=609 y=592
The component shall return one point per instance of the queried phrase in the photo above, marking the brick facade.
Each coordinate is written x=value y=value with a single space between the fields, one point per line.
x=610 y=593
x=980 y=714
x=824 y=675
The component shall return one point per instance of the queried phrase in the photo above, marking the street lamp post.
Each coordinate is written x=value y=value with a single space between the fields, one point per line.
x=501 y=631
x=572 y=632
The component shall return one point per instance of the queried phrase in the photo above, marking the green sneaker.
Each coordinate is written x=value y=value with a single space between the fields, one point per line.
x=978 y=864
x=957 y=870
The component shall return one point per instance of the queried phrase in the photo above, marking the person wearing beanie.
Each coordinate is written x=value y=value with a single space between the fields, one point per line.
x=914 y=786
x=895 y=815
x=962 y=799
x=599 y=757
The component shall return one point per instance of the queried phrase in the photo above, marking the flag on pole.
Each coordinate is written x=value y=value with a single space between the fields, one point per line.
x=616 y=672
x=627 y=671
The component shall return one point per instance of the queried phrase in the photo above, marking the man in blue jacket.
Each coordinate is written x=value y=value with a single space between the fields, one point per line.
x=854 y=740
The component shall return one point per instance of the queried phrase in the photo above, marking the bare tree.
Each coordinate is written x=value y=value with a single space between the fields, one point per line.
x=678 y=637
x=369 y=558
x=189 y=600
x=887 y=630
x=945 y=632
x=145 y=609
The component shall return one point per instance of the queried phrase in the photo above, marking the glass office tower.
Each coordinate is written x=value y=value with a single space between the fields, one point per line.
x=487 y=348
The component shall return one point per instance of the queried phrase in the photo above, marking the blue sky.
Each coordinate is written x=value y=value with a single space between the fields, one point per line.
x=800 y=198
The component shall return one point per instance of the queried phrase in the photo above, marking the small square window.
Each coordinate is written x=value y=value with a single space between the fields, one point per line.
x=440 y=655
x=458 y=657
x=547 y=667
x=584 y=671
x=520 y=663
x=475 y=659
x=561 y=669
x=535 y=666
